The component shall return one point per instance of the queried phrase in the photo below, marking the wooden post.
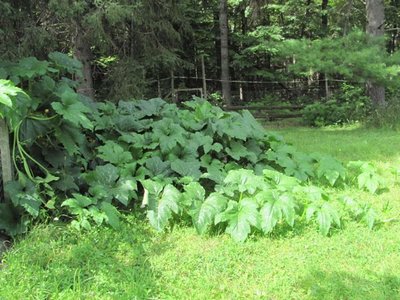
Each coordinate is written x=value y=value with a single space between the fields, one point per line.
x=174 y=99
x=203 y=70
x=5 y=155
x=327 y=92
x=158 y=86
x=196 y=73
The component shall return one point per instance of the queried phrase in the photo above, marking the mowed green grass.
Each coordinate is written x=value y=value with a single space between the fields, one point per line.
x=346 y=143
x=54 y=262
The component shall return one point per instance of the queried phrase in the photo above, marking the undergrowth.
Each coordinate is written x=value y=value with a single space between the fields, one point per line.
x=87 y=162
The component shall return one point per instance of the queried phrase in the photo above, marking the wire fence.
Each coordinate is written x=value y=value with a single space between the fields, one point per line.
x=182 y=88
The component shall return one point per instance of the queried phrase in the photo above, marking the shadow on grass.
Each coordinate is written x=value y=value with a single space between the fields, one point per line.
x=343 y=285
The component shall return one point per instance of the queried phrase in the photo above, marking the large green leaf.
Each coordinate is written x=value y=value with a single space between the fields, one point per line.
x=189 y=123
x=161 y=213
x=153 y=187
x=239 y=218
x=254 y=127
x=114 y=153
x=203 y=215
x=72 y=109
x=276 y=206
x=369 y=217
x=78 y=203
x=236 y=150
x=232 y=126
x=326 y=215
x=66 y=183
x=203 y=110
x=280 y=181
x=363 y=212
x=168 y=134
x=157 y=167
x=102 y=180
x=294 y=163
x=10 y=220
x=330 y=169
x=129 y=123
x=112 y=214
x=194 y=193
x=23 y=193
x=151 y=107
x=254 y=150
x=32 y=129
x=71 y=137
x=8 y=90
x=186 y=168
x=198 y=139
x=30 y=67
x=215 y=169
x=369 y=181
x=368 y=177
x=63 y=61
x=243 y=180
x=125 y=190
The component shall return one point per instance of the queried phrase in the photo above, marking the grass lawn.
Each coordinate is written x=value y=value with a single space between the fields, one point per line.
x=54 y=262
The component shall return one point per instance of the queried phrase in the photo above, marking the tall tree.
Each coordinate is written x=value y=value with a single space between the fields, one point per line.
x=376 y=28
x=323 y=82
x=223 y=25
x=83 y=53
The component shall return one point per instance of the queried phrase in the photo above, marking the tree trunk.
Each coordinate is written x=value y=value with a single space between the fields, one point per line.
x=376 y=28
x=324 y=17
x=223 y=25
x=5 y=154
x=217 y=43
x=303 y=27
x=83 y=53
x=323 y=83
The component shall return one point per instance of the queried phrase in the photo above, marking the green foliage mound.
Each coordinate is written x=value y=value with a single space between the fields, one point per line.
x=201 y=141
x=246 y=203
x=86 y=162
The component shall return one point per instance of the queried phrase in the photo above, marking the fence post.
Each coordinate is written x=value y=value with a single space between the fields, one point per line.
x=173 y=87
x=327 y=92
x=5 y=155
x=158 y=86
x=203 y=71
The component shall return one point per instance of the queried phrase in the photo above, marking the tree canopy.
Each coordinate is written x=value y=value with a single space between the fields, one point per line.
x=127 y=46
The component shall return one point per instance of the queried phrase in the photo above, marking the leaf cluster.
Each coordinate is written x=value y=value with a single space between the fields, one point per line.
x=49 y=123
x=246 y=203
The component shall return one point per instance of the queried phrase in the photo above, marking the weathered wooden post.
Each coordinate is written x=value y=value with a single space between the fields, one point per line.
x=158 y=86
x=173 y=94
x=5 y=155
x=203 y=71
x=327 y=91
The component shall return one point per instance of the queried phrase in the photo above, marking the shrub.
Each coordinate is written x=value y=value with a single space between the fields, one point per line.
x=350 y=105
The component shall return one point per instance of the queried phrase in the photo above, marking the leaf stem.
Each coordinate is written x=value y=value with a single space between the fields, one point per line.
x=42 y=119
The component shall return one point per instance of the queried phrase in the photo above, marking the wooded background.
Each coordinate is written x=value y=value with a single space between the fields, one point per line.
x=254 y=50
